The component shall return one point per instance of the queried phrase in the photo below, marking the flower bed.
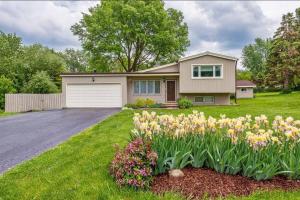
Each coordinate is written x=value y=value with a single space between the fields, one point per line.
x=244 y=145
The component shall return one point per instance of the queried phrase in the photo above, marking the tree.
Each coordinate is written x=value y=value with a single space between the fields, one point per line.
x=41 y=83
x=76 y=60
x=39 y=58
x=244 y=75
x=254 y=59
x=132 y=35
x=284 y=59
x=10 y=54
x=6 y=86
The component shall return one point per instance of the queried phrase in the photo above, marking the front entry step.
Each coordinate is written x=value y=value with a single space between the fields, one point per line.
x=170 y=105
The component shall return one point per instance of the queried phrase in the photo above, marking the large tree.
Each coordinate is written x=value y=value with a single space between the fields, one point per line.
x=254 y=59
x=132 y=35
x=284 y=59
x=76 y=60
x=39 y=58
x=10 y=58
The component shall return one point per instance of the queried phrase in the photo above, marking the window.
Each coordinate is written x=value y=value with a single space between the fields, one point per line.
x=207 y=71
x=146 y=87
x=205 y=99
x=244 y=89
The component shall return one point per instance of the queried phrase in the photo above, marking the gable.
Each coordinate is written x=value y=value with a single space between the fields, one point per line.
x=173 y=67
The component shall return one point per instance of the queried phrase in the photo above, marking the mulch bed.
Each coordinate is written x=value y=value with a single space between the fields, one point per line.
x=199 y=182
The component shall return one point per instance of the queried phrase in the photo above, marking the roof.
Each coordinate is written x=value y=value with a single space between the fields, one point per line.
x=244 y=83
x=206 y=53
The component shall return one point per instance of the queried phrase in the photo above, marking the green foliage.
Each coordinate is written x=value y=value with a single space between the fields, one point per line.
x=134 y=165
x=6 y=86
x=41 y=83
x=219 y=153
x=254 y=59
x=132 y=35
x=76 y=60
x=184 y=102
x=244 y=75
x=283 y=62
x=144 y=102
x=40 y=58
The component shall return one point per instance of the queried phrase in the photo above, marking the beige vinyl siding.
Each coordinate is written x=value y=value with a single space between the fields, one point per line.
x=244 y=94
x=159 y=98
x=226 y=84
x=29 y=102
x=172 y=68
x=97 y=80
x=219 y=99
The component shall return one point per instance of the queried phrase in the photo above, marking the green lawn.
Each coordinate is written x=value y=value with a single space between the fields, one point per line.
x=78 y=168
x=3 y=114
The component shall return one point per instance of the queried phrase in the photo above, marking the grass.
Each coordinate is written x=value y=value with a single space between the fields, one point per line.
x=4 y=114
x=78 y=168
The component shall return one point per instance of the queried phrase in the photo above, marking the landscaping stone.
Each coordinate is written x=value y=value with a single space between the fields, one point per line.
x=176 y=173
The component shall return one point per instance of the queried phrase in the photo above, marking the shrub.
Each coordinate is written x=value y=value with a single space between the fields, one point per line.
x=134 y=165
x=156 y=105
x=184 y=102
x=149 y=102
x=243 y=145
x=6 y=86
x=286 y=91
x=41 y=83
x=131 y=105
x=140 y=102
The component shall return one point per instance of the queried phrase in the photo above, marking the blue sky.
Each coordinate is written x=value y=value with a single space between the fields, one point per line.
x=220 y=26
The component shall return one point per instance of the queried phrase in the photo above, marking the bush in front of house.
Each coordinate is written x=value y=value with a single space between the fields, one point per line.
x=144 y=103
x=134 y=165
x=41 y=83
x=6 y=86
x=184 y=102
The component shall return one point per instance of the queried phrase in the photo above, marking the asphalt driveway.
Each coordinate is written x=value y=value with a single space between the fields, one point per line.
x=26 y=135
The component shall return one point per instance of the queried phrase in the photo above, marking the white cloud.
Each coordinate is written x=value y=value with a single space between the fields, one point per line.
x=223 y=27
x=45 y=21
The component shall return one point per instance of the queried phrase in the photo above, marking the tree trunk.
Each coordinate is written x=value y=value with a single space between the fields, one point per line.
x=286 y=83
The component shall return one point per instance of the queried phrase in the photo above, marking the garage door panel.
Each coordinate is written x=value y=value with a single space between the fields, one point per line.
x=94 y=95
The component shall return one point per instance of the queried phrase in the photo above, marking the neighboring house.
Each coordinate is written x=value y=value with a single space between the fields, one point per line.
x=244 y=89
x=205 y=78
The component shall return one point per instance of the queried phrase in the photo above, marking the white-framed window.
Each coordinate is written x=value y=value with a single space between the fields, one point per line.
x=207 y=71
x=142 y=87
x=244 y=89
x=204 y=99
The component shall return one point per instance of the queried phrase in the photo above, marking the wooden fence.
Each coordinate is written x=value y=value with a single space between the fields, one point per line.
x=29 y=102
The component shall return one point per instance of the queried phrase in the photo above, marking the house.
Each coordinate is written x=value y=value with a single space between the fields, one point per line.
x=244 y=89
x=205 y=78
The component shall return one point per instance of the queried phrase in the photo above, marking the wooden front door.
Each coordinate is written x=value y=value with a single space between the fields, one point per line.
x=171 y=90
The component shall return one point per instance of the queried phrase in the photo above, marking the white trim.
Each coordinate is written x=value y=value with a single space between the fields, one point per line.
x=203 y=78
x=208 y=53
x=174 y=91
x=246 y=86
x=158 y=67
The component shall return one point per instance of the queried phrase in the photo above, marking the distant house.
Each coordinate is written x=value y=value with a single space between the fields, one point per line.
x=244 y=89
x=205 y=78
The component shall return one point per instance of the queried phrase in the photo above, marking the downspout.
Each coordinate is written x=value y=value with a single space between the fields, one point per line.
x=235 y=101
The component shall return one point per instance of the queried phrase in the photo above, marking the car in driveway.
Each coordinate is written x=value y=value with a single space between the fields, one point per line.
x=26 y=135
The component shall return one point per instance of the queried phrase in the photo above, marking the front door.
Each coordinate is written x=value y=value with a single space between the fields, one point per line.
x=171 y=90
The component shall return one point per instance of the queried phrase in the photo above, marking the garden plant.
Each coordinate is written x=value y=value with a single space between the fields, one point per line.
x=250 y=146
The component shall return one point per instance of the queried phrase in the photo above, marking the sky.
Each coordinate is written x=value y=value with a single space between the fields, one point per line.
x=219 y=26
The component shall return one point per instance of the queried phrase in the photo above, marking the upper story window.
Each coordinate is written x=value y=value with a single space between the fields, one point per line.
x=146 y=87
x=207 y=71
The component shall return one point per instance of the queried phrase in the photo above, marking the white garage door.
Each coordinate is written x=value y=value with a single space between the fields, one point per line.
x=93 y=95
